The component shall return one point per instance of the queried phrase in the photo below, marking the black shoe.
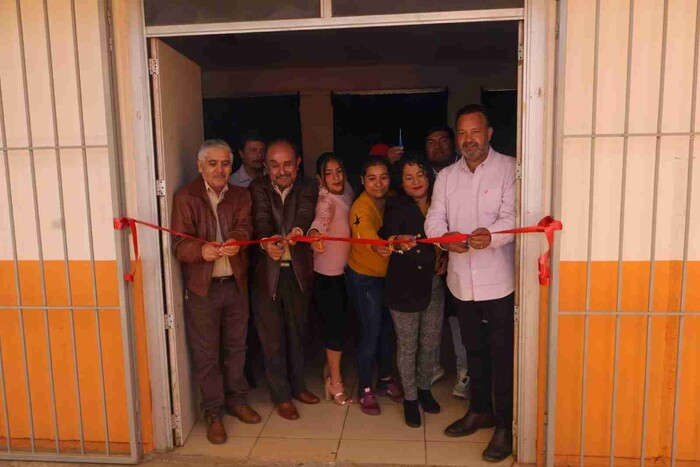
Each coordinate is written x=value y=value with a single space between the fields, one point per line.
x=411 y=413
x=500 y=446
x=427 y=401
x=468 y=424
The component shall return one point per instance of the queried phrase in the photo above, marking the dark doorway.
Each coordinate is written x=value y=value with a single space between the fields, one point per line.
x=272 y=116
x=502 y=107
x=361 y=120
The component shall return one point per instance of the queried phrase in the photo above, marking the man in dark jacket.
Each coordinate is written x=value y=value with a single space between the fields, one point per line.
x=283 y=206
x=216 y=294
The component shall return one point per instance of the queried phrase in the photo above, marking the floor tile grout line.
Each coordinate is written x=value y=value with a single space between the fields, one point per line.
x=342 y=430
x=257 y=438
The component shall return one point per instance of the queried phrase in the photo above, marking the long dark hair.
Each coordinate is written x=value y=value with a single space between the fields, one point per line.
x=322 y=163
x=424 y=166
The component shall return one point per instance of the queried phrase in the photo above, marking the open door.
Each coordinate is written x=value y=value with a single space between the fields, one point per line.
x=177 y=107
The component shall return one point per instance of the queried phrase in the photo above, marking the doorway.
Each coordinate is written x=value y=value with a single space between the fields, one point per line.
x=433 y=57
x=395 y=118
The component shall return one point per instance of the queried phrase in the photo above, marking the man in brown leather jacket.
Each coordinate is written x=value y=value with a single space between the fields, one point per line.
x=283 y=206
x=216 y=281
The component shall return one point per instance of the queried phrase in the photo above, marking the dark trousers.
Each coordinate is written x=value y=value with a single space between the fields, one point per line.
x=281 y=325
x=217 y=326
x=377 y=342
x=487 y=333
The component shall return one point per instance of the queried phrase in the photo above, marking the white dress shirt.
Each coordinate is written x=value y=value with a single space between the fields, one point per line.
x=222 y=266
x=462 y=202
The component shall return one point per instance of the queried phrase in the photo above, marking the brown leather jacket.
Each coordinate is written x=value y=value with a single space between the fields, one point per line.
x=192 y=215
x=271 y=218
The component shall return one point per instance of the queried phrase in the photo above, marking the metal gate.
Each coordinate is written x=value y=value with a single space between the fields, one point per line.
x=67 y=384
x=624 y=321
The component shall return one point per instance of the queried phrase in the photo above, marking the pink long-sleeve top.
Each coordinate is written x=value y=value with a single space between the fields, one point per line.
x=332 y=214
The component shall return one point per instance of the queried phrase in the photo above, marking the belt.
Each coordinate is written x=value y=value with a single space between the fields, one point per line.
x=221 y=280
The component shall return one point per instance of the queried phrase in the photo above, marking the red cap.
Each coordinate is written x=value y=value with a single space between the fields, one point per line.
x=380 y=149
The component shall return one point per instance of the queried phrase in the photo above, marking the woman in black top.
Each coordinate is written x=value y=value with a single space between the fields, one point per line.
x=414 y=290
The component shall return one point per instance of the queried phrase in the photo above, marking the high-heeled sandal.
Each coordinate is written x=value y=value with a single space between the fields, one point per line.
x=337 y=393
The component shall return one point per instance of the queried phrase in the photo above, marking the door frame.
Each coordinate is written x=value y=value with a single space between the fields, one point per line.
x=536 y=102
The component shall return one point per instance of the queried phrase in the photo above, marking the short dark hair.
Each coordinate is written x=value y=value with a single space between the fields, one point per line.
x=375 y=160
x=445 y=128
x=251 y=135
x=323 y=161
x=283 y=141
x=424 y=166
x=473 y=109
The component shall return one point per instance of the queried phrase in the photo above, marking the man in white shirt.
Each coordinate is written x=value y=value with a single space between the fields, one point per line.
x=476 y=195
x=252 y=154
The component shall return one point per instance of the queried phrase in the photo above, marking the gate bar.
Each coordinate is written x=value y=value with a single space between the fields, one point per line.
x=631 y=313
x=556 y=193
x=18 y=291
x=28 y=119
x=37 y=222
x=88 y=213
x=58 y=307
x=632 y=135
x=654 y=212
x=4 y=401
x=121 y=241
x=37 y=148
x=686 y=240
x=589 y=253
x=64 y=232
x=621 y=238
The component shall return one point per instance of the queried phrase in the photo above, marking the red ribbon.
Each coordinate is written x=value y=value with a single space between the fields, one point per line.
x=547 y=225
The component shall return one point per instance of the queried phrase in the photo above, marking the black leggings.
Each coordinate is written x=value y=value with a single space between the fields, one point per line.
x=332 y=306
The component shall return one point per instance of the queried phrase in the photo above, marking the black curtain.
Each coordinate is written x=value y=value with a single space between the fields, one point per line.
x=359 y=121
x=272 y=116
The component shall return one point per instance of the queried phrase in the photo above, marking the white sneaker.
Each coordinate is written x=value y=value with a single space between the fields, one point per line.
x=438 y=372
x=461 y=389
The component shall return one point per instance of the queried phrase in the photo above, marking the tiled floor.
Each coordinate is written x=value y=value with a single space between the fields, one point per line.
x=326 y=433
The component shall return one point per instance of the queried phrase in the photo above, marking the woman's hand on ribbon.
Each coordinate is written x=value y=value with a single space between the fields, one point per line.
x=403 y=243
x=317 y=245
x=382 y=250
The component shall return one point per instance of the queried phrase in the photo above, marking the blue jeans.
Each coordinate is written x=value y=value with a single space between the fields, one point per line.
x=377 y=341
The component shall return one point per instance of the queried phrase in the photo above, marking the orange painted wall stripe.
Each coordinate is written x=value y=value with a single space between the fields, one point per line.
x=62 y=354
x=632 y=356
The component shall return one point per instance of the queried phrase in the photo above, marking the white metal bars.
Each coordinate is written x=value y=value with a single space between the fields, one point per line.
x=68 y=446
x=667 y=40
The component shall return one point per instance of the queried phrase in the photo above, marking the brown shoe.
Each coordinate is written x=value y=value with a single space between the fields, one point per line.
x=287 y=410
x=216 y=433
x=244 y=413
x=307 y=397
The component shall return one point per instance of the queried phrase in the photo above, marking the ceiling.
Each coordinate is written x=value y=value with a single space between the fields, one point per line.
x=426 y=45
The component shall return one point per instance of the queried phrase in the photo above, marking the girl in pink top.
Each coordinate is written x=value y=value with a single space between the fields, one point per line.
x=330 y=259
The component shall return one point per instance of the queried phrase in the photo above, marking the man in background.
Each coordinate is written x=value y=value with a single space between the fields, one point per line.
x=440 y=152
x=252 y=155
